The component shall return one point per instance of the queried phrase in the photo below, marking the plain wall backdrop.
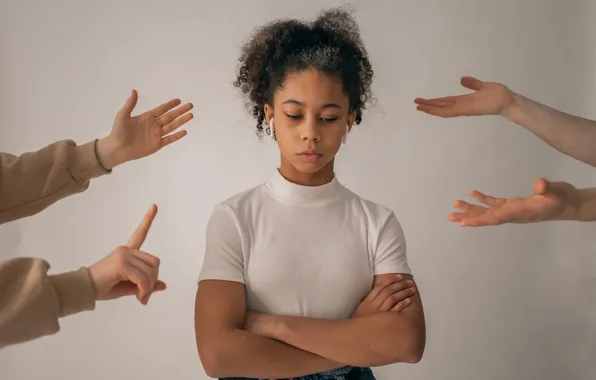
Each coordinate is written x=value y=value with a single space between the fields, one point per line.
x=509 y=302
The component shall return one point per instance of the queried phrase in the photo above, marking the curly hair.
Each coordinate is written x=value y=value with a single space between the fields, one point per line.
x=331 y=43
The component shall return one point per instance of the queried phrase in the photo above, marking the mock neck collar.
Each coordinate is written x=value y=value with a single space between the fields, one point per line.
x=291 y=192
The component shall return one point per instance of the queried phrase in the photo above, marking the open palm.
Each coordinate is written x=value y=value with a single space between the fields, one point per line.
x=135 y=137
x=549 y=201
x=489 y=98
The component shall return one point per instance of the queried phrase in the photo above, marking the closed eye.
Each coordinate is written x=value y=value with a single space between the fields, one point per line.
x=294 y=117
x=329 y=119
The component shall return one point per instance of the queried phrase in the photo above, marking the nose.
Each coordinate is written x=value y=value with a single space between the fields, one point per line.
x=310 y=130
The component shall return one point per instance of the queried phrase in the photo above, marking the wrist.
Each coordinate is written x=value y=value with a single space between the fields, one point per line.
x=577 y=207
x=269 y=326
x=107 y=153
x=573 y=202
x=512 y=111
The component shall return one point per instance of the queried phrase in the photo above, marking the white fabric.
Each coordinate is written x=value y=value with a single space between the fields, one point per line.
x=300 y=250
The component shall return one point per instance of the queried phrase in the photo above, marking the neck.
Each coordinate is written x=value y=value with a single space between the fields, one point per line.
x=319 y=178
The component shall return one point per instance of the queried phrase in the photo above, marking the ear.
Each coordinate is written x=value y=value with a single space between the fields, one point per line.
x=351 y=120
x=268 y=113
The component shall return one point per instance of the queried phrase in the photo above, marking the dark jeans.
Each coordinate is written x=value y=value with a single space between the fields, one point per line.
x=344 y=373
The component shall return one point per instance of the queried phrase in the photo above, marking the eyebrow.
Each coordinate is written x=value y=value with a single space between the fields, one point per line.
x=324 y=106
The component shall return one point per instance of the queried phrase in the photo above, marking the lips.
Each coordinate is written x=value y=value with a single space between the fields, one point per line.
x=310 y=156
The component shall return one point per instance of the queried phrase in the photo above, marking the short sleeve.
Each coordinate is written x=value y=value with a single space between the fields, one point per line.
x=390 y=254
x=224 y=259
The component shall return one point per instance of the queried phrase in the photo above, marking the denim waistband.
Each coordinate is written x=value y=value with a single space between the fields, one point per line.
x=342 y=373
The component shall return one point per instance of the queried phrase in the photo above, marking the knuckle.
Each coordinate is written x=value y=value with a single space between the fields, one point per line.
x=121 y=253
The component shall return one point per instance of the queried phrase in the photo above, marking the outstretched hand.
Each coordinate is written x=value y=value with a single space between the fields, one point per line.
x=134 y=137
x=549 y=201
x=488 y=98
x=128 y=270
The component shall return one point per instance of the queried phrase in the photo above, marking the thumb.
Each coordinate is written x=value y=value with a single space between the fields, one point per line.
x=541 y=186
x=130 y=104
x=472 y=83
x=159 y=286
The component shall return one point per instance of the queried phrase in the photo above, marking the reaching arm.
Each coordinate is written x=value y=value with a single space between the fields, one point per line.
x=550 y=201
x=374 y=340
x=33 y=181
x=32 y=302
x=569 y=134
x=226 y=350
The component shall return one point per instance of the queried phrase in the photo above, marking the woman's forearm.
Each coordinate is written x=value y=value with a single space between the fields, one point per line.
x=569 y=134
x=374 y=340
x=238 y=353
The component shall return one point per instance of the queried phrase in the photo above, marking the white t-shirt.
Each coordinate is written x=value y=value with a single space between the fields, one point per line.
x=301 y=250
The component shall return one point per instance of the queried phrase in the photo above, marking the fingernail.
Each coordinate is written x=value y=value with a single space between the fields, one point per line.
x=410 y=282
x=399 y=276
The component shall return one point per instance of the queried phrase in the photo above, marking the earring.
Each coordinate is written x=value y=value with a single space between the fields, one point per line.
x=345 y=138
x=271 y=130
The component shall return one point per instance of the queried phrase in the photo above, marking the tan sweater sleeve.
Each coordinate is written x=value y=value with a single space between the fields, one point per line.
x=33 y=181
x=31 y=301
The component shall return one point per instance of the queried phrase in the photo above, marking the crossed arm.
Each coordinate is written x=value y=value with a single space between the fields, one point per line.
x=271 y=346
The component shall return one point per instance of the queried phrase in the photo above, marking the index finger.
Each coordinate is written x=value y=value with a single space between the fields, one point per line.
x=138 y=237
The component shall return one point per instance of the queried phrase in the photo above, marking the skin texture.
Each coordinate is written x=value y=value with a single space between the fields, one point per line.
x=569 y=134
x=310 y=115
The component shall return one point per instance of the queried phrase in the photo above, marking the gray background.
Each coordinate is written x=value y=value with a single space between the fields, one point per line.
x=513 y=302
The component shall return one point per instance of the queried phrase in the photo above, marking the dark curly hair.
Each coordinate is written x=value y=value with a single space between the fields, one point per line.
x=331 y=43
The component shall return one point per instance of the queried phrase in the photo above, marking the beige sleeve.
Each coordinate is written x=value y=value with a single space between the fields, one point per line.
x=31 y=301
x=33 y=181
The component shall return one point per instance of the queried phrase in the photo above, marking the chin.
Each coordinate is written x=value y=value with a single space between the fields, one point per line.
x=309 y=168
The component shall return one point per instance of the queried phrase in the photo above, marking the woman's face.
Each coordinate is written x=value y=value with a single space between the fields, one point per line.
x=311 y=115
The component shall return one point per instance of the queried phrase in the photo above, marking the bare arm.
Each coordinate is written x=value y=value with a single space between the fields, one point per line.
x=226 y=350
x=373 y=340
x=569 y=134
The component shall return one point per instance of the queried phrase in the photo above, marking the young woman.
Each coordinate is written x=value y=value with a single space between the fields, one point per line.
x=302 y=277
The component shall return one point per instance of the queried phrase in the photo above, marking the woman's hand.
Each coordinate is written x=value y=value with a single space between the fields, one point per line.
x=488 y=98
x=392 y=295
x=549 y=201
x=134 y=137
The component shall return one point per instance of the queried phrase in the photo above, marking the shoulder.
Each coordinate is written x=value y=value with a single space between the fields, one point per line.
x=240 y=206
x=374 y=212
